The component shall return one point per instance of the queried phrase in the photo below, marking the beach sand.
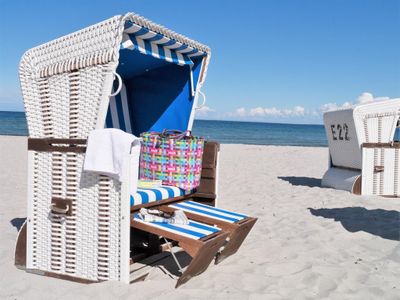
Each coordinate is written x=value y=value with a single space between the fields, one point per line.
x=309 y=242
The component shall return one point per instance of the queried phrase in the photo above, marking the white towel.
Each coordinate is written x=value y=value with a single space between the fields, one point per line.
x=106 y=151
x=154 y=215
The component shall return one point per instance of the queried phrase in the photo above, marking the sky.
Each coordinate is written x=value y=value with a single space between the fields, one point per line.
x=281 y=61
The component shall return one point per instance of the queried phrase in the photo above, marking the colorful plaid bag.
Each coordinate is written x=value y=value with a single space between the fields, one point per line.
x=174 y=157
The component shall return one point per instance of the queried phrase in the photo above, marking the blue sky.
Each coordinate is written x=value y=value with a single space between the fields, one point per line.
x=273 y=61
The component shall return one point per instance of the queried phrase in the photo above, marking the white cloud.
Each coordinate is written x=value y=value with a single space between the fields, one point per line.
x=238 y=113
x=329 y=107
x=297 y=112
x=241 y=112
x=367 y=97
x=205 y=111
x=259 y=112
x=347 y=105
x=273 y=111
x=364 y=98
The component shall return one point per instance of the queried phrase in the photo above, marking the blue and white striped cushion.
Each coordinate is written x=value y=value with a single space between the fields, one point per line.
x=144 y=196
x=209 y=211
x=193 y=230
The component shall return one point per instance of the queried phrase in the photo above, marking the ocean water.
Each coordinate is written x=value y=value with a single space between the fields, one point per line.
x=232 y=132
x=14 y=123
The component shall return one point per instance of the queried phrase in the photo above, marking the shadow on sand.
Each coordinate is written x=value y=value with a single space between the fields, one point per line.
x=17 y=223
x=169 y=267
x=300 y=180
x=379 y=222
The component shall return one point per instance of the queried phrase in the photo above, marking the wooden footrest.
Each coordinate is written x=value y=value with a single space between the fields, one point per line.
x=235 y=224
x=201 y=241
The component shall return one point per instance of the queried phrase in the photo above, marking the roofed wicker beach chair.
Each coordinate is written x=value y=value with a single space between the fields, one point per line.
x=364 y=156
x=132 y=74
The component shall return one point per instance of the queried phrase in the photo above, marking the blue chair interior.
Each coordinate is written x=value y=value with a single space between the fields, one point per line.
x=158 y=93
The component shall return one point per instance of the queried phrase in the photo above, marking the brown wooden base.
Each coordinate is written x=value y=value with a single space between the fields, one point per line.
x=357 y=186
x=236 y=238
x=201 y=258
x=237 y=231
x=20 y=260
x=20 y=248
x=202 y=251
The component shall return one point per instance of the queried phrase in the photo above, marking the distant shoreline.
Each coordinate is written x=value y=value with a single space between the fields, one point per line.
x=241 y=144
x=223 y=131
x=214 y=120
x=258 y=122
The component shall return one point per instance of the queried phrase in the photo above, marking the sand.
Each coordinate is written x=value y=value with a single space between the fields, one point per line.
x=309 y=242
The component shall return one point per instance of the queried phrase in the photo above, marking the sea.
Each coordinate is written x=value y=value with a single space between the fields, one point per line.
x=226 y=132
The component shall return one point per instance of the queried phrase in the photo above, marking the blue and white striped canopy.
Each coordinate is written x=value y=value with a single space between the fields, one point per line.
x=157 y=45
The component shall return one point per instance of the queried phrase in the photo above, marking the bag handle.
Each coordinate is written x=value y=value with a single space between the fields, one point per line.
x=175 y=134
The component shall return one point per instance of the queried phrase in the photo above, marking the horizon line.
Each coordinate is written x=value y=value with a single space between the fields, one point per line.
x=217 y=120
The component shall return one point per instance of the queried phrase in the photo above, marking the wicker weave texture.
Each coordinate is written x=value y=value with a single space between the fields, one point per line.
x=97 y=44
x=86 y=244
x=376 y=128
x=39 y=226
x=66 y=85
x=385 y=182
x=67 y=104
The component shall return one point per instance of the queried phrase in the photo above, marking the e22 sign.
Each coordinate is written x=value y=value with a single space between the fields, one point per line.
x=340 y=132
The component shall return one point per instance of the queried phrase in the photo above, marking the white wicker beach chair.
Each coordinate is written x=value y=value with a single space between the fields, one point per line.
x=128 y=73
x=364 y=158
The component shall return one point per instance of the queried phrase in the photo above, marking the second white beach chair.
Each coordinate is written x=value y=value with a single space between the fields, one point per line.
x=364 y=158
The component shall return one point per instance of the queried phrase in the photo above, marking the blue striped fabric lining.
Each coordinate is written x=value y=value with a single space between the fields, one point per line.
x=157 y=45
x=118 y=112
x=144 y=196
x=209 y=211
x=193 y=230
